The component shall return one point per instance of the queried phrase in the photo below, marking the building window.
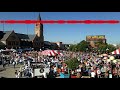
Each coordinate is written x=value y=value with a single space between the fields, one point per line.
x=13 y=42
x=17 y=43
x=9 y=43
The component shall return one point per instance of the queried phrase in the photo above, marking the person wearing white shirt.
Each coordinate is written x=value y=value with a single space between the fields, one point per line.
x=32 y=74
x=19 y=74
x=20 y=61
x=98 y=72
x=79 y=70
x=92 y=74
x=55 y=69
x=26 y=67
x=28 y=63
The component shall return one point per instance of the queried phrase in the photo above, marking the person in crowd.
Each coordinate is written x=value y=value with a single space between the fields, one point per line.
x=106 y=74
x=16 y=74
x=93 y=74
x=98 y=73
x=4 y=64
x=14 y=64
x=90 y=64
x=51 y=74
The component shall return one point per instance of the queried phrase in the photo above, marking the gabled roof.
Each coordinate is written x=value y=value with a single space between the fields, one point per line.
x=1 y=44
x=47 y=43
x=26 y=37
x=6 y=34
x=54 y=44
x=22 y=36
x=31 y=37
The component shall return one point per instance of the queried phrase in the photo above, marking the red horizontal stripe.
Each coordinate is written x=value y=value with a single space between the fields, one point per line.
x=60 y=21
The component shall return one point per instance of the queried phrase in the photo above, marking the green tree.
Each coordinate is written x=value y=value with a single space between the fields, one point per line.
x=111 y=47
x=82 y=46
x=72 y=47
x=72 y=63
x=103 y=48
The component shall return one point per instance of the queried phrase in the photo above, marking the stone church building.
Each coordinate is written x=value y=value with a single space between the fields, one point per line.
x=11 y=39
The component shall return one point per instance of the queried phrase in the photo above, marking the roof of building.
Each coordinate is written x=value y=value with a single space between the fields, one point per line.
x=6 y=34
x=22 y=36
x=31 y=37
x=26 y=37
x=54 y=44
x=1 y=44
x=47 y=43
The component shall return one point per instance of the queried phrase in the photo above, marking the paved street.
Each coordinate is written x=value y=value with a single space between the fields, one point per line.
x=9 y=72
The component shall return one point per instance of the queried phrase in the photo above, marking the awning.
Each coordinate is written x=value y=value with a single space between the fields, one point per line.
x=117 y=51
x=51 y=52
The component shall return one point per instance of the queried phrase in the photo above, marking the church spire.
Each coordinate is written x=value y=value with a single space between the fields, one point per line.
x=39 y=18
x=39 y=28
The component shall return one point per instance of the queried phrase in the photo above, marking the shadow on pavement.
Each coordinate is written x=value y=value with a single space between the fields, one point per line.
x=3 y=77
x=2 y=69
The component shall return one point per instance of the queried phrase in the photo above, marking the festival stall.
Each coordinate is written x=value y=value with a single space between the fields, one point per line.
x=117 y=51
x=116 y=54
x=51 y=52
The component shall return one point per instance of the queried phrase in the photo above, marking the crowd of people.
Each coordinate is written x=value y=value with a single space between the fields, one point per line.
x=91 y=65
x=94 y=66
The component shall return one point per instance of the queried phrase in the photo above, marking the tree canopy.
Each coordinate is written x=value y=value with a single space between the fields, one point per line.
x=72 y=63
x=85 y=46
x=82 y=46
x=106 y=47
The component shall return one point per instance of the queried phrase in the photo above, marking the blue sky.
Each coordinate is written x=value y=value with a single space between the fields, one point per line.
x=67 y=33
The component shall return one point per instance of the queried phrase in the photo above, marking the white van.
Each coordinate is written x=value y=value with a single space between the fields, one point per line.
x=41 y=70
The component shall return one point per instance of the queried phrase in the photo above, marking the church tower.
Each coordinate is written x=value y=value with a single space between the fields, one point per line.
x=39 y=29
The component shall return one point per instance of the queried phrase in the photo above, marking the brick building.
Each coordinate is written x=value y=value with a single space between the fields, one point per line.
x=10 y=39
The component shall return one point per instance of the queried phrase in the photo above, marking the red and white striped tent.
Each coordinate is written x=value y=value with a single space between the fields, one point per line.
x=51 y=52
x=117 y=51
